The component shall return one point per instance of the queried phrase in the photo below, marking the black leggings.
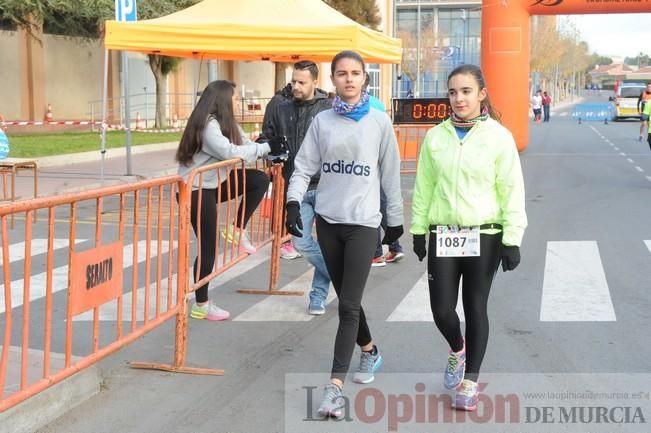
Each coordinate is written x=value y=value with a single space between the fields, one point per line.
x=256 y=186
x=348 y=252
x=478 y=273
x=648 y=138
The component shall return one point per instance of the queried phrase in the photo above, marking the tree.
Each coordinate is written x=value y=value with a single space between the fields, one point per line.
x=364 y=12
x=85 y=19
x=161 y=66
x=641 y=60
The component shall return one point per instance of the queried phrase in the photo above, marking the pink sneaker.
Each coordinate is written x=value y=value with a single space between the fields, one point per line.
x=288 y=252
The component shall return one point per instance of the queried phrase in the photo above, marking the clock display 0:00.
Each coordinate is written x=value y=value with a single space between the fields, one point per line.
x=429 y=111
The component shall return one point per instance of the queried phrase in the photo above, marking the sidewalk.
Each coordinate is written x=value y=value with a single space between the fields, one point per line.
x=82 y=171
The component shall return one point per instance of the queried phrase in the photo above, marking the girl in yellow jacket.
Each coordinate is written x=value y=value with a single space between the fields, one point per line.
x=469 y=198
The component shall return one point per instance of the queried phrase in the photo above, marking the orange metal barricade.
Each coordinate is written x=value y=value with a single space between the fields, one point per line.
x=140 y=223
x=410 y=137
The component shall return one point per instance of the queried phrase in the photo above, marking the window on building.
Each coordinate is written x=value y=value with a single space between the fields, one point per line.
x=374 y=79
x=449 y=36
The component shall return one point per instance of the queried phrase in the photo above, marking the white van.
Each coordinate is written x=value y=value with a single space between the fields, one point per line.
x=626 y=98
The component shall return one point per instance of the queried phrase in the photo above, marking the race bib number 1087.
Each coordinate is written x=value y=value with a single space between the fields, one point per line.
x=456 y=241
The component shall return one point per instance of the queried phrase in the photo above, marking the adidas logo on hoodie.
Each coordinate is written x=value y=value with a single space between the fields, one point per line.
x=344 y=167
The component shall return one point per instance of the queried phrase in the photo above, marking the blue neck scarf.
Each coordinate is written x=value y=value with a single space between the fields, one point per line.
x=353 y=111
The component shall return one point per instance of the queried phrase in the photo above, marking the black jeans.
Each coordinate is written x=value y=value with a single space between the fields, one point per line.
x=348 y=253
x=477 y=272
x=256 y=186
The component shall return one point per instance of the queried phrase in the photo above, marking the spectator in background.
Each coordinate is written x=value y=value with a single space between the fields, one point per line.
x=292 y=119
x=642 y=101
x=546 y=104
x=536 y=105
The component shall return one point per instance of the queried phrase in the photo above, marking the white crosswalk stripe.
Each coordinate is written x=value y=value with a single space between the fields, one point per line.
x=574 y=285
x=39 y=246
x=60 y=276
x=648 y=245
x=285 y=308
x=415 y=307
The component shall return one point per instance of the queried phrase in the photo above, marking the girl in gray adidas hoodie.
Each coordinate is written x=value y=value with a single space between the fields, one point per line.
x=355 y=150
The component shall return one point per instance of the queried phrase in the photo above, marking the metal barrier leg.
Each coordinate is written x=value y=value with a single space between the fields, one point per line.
x=181 y=342
x=277 y=224
x=179 y=352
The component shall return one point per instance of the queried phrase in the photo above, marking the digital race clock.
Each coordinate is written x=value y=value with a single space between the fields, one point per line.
x=420 y=110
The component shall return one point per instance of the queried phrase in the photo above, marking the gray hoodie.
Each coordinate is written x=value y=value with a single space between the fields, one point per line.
x=355 y=158
x=214 y=148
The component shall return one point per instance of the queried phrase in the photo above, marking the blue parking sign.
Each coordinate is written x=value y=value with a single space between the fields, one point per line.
x=125 y=10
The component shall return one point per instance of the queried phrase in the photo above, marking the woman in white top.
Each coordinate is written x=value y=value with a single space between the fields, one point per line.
x=213 y=135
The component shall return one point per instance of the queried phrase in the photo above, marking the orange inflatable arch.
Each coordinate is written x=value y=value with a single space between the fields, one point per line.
x=505 y=49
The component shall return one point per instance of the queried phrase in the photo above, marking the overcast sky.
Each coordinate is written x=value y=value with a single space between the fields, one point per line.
x=623 y=35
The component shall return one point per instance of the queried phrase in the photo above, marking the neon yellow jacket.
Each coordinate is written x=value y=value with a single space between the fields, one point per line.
x=647 y=111
x=470 y=182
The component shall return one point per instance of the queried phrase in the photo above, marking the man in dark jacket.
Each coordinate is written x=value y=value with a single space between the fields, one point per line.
x=292 y=119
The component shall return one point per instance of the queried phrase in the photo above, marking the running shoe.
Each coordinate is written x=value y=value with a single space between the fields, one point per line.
x=333 y=402
x=368 y=365
x=378 y=262
x=467 y=396
x=288 y=252
x=316 y=307
x=239 y=237
x=209 y=311
x=394 y=256
x=455 y=369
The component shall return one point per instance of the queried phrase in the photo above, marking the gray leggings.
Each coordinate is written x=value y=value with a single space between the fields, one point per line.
x=348 y=252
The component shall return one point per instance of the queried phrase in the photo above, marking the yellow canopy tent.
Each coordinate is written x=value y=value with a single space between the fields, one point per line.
x=276 y=30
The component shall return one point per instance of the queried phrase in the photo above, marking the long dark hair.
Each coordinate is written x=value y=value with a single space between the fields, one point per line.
x=476 y=73
x=217 y=102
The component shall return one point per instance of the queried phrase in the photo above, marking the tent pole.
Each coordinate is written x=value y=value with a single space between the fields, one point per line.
x=127 y=109
x=104 y=110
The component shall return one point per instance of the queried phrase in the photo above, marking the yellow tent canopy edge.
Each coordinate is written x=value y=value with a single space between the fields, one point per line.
x=205 y=31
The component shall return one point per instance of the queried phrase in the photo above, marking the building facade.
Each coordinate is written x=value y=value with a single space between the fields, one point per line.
x=437 y=36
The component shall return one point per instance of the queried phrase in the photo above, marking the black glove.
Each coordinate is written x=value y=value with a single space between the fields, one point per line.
x=419 y=247
x=278 y=145
x=392 y=234
x=293 y=222
x=510 y=257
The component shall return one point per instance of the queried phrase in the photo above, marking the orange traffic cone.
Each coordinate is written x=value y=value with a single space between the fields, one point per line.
x=48 y=114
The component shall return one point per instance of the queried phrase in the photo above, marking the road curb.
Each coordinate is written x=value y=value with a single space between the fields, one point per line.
x=121 y=181
x=75 y=158
x=51 y=403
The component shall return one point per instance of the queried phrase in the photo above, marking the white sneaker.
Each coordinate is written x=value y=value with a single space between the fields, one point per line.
x=209 y=311
x=239 y=237
x=245 y=243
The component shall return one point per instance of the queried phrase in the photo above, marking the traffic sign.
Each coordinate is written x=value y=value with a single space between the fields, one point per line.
x=125 y=10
